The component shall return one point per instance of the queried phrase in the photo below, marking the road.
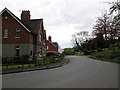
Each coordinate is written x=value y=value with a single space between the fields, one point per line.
x=81 y=72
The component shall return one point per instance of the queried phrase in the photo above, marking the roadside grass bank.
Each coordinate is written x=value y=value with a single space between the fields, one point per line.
x=39 y=62
x=79 y=54
x=16 y=66
x=111 y=54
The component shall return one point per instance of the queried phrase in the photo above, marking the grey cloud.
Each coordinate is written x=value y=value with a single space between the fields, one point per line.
x=63 y=15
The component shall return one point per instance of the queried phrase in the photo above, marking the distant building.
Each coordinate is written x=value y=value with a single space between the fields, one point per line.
x=23 y=36
x=52 y=47
x=60 y=50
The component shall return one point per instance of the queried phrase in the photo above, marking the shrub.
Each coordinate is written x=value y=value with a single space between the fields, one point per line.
x=92 y=51
x=79 y=53
x=86 y=52
x=50 y=54
x=7 y=60
x=50 y=60
x=17 y=60
x=99 y=49
x=111 y=54
x=25 y=59
x=4 y=60
x=69 y=51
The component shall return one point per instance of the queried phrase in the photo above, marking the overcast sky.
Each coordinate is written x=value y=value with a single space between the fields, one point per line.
x=62 y=18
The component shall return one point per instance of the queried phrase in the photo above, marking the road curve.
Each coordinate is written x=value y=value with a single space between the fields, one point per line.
x=81 y=72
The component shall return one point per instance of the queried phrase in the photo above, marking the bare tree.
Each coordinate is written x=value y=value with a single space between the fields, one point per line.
x=109 y=26
x=115 y=7
x=79 y=38
x=102 y=25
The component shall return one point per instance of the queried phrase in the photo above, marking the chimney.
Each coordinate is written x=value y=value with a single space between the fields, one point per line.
x=50 y=39
x=25 y=15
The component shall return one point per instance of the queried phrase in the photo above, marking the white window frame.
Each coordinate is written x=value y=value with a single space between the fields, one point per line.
x=17 y=47
x=47 y=47
x=17 y=32
x=40 y=37
x=5 y=33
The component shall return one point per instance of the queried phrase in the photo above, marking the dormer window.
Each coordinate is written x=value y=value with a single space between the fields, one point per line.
x=5 y=33
x=17 y=33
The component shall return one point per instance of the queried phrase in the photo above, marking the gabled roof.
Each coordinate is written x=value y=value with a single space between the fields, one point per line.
x=15 y=17
x=55 y=44
x=52 y=44
x=33 y=25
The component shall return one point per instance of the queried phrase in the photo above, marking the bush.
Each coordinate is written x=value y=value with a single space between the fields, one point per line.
x=50 y=54
x=24 y=59
x=7 y=60
x=111 y=54
x=92 y=51
x=69 y=51
x=17 y=60
x=50 y=60
x=4 y=60
x=99 y=49
x=79 y=53
x=86 y=52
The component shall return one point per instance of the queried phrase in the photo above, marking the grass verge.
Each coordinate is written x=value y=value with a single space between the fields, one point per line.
x=111 y=54
x=43 y=61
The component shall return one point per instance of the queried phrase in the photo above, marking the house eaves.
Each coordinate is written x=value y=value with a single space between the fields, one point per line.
x=52 y=44
x=34 y=25
x=16 y=18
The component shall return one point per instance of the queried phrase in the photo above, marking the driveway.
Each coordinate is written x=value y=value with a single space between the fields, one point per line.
x=81 y=72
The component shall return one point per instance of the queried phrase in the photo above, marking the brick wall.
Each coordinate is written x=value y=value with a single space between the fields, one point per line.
x=9 y=50
x=0 y=29
x=50 y=46
x=11 y=24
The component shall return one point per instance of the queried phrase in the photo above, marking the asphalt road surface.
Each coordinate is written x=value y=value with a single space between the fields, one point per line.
x=81 y=72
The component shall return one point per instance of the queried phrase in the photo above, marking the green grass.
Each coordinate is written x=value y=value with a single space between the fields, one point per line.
x=16 y=66
x=50 y=60
x=79 y=53
x=44 y=61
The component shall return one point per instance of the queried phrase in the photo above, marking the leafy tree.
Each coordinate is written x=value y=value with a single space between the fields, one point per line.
x=68 y=51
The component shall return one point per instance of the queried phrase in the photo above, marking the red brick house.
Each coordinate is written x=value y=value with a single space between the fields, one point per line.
x=23 y=36
x=52 y=47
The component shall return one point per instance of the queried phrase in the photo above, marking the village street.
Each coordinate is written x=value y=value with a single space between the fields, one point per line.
x=80 y=72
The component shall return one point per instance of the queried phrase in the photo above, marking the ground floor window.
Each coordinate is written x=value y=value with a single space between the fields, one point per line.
x=17 y=50
x=47 y=47
x=5 y=33
x=31 y=53
x=40 y=52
